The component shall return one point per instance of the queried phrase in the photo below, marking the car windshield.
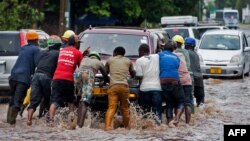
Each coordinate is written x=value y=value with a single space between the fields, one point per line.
x=9 y=44
x=220 y=42
x=175 y=31
x=105 y=43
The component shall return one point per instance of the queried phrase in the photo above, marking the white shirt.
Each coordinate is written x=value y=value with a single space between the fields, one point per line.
x=147 y=67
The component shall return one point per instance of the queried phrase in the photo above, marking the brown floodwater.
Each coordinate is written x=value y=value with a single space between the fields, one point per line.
x=227 y=102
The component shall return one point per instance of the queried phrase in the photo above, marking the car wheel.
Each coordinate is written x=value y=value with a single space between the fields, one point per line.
x=243 y=75
x=248 y=73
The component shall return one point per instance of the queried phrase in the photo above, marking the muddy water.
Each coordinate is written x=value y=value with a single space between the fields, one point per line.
x=227 y=102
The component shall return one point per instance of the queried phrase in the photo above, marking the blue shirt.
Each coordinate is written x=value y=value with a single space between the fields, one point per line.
x=25 y=64
x=169 y=65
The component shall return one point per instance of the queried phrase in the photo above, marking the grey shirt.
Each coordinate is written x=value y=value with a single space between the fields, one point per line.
x=195 y=64
x=93 y=63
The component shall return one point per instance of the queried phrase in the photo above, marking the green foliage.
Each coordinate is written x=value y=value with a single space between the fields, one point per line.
x=152 y=11
x=186 y=7
x=126 y=11
x=16 y=15
x=99 y=9
x=241 y=4
x=225 y=3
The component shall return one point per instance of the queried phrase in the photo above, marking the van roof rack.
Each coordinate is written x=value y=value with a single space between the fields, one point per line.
x=121 y=27
x=210 y=23
x=179 y=20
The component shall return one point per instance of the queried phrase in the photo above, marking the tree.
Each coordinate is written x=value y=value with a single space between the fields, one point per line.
x=225 y=4
x=126 y=11
x=183 y=7
x=101 y=9
x=241 y=4
x=15 y=15
x=152 y=11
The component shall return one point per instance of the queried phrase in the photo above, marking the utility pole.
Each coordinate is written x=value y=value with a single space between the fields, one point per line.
x=62 y=17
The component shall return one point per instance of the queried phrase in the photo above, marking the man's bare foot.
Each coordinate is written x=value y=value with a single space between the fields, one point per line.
x=172 y=124
x=29 y=122
x=108 y=129
x=50 y=122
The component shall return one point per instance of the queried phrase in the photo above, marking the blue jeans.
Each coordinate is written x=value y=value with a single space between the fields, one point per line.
x=174 y=97
x=152 y=99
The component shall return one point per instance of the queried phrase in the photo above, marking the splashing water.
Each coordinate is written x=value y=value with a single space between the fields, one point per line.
x=141 y=120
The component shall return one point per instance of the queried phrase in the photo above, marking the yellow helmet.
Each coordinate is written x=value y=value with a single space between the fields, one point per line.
x=67 y=34
x=178 y=38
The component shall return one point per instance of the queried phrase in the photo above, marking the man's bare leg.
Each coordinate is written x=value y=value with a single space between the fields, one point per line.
x=52 y=112
x=30 y=114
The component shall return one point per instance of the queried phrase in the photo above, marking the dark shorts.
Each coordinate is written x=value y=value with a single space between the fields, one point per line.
x=174 y=97
x=40 y=88
x=62 y=92
x=189 y=101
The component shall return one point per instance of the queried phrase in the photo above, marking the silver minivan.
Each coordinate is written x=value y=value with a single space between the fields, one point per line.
x=224 y=53
x=10 y=44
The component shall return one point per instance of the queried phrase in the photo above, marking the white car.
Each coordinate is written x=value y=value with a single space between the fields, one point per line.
x=184 y=31
x=203 y=29
x=224 y=53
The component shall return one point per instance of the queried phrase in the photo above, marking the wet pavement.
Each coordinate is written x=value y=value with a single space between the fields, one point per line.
x=227 y=102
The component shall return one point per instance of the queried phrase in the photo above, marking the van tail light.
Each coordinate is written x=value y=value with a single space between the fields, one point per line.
x=23 y=40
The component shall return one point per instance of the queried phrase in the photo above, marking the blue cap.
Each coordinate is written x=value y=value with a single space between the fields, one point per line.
x=190 y=41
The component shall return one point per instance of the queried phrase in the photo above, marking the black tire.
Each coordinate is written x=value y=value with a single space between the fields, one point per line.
x=243 y=74
x=248 y=73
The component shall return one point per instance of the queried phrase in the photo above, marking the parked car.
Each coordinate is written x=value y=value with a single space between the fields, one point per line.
x=43 y=37
x=10 y=44
x=184 y=31
x=203 y=29
x=104 y=40
x=224 y=53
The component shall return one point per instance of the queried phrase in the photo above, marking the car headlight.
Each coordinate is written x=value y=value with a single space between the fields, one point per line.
x=235 y=59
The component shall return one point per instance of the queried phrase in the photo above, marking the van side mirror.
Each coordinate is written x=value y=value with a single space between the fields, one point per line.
x=247 y=49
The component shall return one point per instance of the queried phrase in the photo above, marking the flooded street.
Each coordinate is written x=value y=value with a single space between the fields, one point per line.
x=227 y=102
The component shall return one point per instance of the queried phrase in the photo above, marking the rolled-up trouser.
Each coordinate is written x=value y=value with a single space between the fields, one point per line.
x=117 y=93
x=85 y=80
x=40 y=88
x=189 y=101
x=18 y=92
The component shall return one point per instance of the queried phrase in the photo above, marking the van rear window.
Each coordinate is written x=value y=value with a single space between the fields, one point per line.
x=175 y=31
x=9 y=44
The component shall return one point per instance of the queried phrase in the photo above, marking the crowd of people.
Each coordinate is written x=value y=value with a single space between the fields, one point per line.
x=171 y=75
